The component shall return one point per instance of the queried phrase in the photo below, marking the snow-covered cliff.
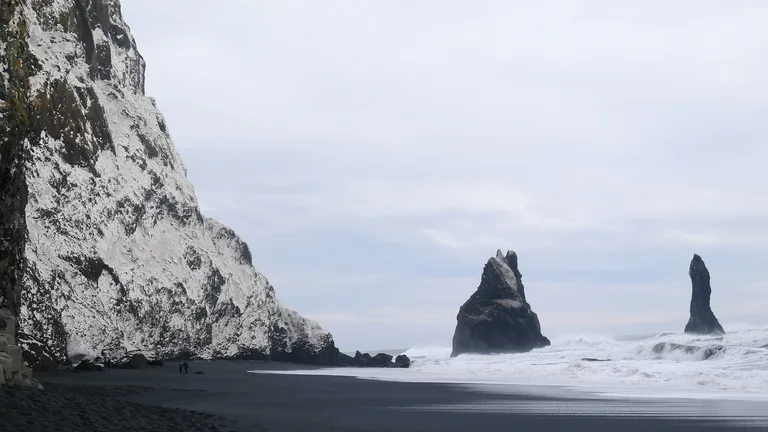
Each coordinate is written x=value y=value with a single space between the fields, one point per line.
x=104 y=235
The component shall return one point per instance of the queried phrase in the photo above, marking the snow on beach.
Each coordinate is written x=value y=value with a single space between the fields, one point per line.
x=628 y=366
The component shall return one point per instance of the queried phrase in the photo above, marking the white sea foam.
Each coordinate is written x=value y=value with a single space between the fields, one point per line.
x=737 y=366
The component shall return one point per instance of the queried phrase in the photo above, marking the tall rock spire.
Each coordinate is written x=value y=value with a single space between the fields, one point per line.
x=702 y=320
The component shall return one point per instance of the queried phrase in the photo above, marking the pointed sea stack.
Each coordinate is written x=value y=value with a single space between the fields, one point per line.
x=497 y=318
x=702 y=319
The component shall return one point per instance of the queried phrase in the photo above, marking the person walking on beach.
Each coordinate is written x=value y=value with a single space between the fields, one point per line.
x=186 y=367
x=180 y=366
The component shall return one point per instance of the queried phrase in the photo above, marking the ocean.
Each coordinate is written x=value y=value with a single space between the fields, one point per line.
x=670 y=364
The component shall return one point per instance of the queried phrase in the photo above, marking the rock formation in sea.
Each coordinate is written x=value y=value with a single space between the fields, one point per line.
x=103 y=244
x=380 y=360
x=700 y=352
x=702 y=320
x=497 y=318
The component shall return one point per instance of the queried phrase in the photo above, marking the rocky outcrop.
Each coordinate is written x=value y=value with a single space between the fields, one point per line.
x=87 y=365
x=361 y=359
x=402 y=361
x=697 y=352
x=497 y=318
x=702 y=320
x=16 y=65
x=102 y=240
x=13 y=371
x=37 y=355
x=380 y=360
x=135 y=361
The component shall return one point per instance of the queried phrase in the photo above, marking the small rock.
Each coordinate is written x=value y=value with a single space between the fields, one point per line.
x=88 y=366
x=139 y=361
x=380 y=360
x=362 y=359
x=135 y=361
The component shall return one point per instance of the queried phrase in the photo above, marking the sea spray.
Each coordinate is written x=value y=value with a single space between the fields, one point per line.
x=605 y=364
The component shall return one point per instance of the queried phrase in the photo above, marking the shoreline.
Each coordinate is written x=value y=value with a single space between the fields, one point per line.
x=228 y=397
x=495 y=385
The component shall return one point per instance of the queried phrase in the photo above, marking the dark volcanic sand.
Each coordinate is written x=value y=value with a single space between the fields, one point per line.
x=77 y=408
x=257 y=402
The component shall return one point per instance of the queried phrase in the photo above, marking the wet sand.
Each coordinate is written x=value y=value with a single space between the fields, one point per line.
x=227 y=398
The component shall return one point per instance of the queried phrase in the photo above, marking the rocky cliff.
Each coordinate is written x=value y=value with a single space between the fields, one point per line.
x=103 y=243
x=497 y=318
x=702 y=320
x=13 y=371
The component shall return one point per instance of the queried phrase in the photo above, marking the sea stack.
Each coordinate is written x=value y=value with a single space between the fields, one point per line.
x=497 y=318
x=703 y=320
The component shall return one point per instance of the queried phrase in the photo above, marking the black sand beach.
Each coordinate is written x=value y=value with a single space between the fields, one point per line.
x=226 y=398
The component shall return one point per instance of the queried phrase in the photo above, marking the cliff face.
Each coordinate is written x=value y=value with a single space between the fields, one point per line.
x=702 y=320
x=497 y=318
x=14 y=128
x=103 y=244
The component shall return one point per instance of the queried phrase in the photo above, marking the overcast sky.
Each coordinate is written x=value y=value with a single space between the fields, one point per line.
x=374 y=154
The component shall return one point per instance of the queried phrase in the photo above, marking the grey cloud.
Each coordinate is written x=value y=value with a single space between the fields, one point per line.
x=390 y=145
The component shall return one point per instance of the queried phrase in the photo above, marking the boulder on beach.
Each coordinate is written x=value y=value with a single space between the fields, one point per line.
x=362 y=359
x=702 y=320
x=380 y=360
x=402 y=361
x=86 y=365
x=133 y=361
x=138 y=361
x=497 y=318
